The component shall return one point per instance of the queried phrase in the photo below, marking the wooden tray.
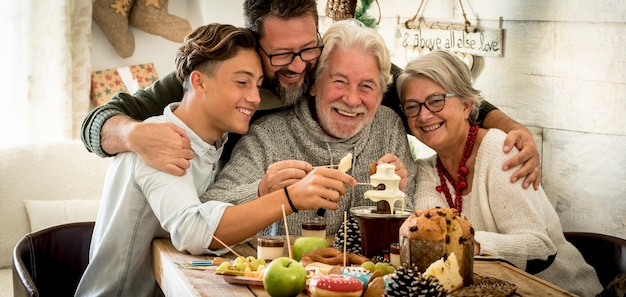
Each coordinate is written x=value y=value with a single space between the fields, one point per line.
x=486 y=286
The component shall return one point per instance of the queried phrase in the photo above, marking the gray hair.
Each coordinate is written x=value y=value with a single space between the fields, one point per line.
x=257 y=11
x=448 y=71
x=349 y=34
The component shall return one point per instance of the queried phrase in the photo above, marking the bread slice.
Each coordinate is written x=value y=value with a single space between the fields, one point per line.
x=446 y=272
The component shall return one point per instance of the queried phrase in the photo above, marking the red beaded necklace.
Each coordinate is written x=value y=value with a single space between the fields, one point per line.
x=461 y=173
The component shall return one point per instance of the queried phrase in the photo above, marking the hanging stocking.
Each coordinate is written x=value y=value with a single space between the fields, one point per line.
x=112 y=17
x=151 y=16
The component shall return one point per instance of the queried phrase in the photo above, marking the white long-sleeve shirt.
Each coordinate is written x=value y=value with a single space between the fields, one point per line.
x=510 y=222
x=140 y=203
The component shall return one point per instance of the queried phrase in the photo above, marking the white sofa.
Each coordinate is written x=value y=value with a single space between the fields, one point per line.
x=61 y=182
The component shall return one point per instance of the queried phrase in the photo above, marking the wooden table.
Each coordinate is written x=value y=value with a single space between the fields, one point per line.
x=176 y=280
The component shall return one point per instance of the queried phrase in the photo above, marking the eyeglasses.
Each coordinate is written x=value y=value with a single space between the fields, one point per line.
x=434 y=103
x=307 y=54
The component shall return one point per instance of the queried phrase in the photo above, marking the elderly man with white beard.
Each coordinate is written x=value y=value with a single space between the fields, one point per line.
x=343 y=115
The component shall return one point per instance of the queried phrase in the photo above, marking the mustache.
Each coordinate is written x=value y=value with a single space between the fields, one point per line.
x=286 y=71
x=342 y=106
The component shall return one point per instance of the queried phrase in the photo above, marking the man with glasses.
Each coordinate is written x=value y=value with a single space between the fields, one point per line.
x=343 y=116
x=286 y=31
x=290 y=93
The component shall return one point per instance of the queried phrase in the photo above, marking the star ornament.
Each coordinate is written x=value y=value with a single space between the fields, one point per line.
x=153 y=2
x=121 y=7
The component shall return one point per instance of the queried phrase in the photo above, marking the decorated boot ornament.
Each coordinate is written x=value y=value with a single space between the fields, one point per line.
x=115 y=17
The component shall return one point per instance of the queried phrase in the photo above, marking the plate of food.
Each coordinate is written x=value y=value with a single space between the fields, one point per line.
x=253 y=274
x=243 y=280
x=242 y=267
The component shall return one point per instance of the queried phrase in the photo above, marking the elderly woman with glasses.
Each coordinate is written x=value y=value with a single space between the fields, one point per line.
x=518 y=225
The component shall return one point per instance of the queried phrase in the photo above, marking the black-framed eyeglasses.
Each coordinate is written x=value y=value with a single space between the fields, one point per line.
x=434 y=103
x=307 y=54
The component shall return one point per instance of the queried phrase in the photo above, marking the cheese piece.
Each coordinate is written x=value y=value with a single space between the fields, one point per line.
x=345 y=163
x=446 y=272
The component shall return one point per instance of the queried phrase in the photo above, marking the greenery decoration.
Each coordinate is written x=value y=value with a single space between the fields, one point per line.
x=361 y=13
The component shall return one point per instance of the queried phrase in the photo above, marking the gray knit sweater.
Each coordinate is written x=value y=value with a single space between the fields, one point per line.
x=294 y=135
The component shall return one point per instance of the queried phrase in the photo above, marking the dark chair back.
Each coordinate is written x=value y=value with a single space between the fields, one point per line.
x=51 y=262
x=607 y=254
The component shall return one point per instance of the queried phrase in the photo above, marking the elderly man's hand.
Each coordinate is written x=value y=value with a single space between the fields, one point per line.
x=400 y=168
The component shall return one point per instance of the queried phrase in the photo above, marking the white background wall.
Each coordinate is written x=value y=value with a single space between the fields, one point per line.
x=563 y=73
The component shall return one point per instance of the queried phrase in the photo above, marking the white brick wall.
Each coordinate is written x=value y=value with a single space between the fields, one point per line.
x=564 y=71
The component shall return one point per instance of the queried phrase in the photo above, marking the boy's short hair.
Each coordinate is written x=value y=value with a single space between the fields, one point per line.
x=208 y=46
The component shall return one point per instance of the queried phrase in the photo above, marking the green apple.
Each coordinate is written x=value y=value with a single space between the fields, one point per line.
x=284 y=277
x=307 y=244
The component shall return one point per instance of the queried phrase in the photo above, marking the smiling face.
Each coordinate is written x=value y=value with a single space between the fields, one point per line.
x=442 y=131
x=232 y=94
x=348 y=92
x=288 y=35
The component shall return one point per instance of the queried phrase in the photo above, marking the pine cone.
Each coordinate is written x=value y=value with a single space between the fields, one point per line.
x=410 y=283
x=430 y=286
x=353 y=238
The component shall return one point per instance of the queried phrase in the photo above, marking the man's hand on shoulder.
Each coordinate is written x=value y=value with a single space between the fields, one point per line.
x=163 y=146
x=528 y=156
x=520 y=137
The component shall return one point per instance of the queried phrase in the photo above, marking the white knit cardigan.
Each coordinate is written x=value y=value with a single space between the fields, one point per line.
x=510 y=222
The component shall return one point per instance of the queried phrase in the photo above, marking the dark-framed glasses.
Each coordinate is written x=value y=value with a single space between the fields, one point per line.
x=434 y=103
x=307 y=54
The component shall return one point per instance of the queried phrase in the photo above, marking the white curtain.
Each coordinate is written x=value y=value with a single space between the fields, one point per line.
x=46 y=66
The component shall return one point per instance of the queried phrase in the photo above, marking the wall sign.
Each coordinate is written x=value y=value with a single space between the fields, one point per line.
x=479 y=43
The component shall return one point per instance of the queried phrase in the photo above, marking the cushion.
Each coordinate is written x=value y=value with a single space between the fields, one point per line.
x=57 y=170
x=47 y=213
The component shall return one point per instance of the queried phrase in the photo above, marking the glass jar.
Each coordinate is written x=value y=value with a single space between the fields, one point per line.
x=270 y=247
x=315 y=227
x=394 y=254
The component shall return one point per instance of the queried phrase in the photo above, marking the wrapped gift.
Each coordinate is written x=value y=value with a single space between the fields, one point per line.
x=106 y=83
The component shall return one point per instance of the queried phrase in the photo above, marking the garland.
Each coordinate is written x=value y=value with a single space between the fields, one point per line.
x=361 y=13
